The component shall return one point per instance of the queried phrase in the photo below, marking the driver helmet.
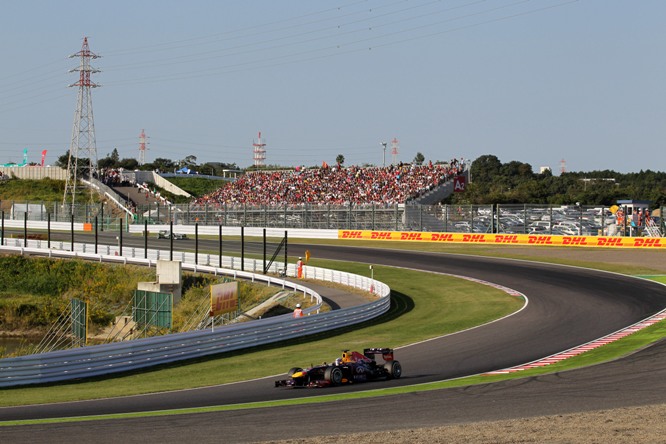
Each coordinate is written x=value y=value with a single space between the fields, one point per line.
x=338 y=361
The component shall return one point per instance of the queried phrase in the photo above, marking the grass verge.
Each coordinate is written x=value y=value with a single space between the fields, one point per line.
x=424 y=305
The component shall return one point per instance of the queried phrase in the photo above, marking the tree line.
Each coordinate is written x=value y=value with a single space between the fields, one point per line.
x=492 y=181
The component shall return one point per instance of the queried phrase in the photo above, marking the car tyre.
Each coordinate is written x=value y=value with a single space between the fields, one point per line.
x=293 y=370
x=394 y=369
x=333 y=375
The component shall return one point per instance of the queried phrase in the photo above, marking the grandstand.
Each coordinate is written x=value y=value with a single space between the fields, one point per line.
x=395 y=184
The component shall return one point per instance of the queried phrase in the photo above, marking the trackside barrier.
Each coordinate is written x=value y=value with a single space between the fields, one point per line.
x=508 y=239
x=125 y=356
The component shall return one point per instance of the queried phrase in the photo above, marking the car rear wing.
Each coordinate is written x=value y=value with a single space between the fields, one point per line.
x=387 y=353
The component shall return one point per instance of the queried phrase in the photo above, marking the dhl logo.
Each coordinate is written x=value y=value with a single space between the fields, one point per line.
x=504 y=239
x=410 y=236
x=474 y=238
x=609 y=242
x=648 y=242
x=352 y=234
x=574 y=240
x=380 y=235
x=441 y=237
x=540 y=240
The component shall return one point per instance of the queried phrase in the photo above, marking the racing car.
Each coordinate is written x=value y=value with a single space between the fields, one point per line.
x=166 y=234
x=351 y=368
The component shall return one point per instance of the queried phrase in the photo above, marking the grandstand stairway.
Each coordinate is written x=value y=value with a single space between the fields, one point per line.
x=439 y=193
x=424 y=219
x=137 y=196
x=651 y=229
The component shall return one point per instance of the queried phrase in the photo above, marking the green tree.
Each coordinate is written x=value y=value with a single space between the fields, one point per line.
x=161 y=164
x=129 y=164
x=115 y=156
x=486 y=168
x=419 y=158
x=340 y=159
x=190 y=161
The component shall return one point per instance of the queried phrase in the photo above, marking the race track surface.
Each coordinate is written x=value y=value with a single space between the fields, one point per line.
x=567 y=306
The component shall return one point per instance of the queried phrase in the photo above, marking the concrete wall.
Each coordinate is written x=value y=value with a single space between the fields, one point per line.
x=168 y=280
x=35 y=172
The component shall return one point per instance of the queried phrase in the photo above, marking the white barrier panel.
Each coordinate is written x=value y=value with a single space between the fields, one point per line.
x=204 y=230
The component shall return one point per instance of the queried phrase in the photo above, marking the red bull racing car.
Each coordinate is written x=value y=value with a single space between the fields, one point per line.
x=352 y=367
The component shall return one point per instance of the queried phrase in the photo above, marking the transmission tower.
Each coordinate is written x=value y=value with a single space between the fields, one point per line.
x=83 y=132
x=394 y=151
x=142 y=147
x=563 y=166
x=259 y=152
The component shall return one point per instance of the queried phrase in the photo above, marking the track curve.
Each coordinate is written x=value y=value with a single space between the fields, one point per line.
x=568 y=306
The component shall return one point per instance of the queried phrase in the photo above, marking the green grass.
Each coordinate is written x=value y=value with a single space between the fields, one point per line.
x=438 y=305
x=197 y=186
x=45 y=191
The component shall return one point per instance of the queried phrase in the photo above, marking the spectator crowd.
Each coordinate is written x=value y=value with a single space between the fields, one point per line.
x=336 y=186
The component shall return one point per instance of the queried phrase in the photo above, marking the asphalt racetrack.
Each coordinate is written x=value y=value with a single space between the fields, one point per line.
x=567 y=307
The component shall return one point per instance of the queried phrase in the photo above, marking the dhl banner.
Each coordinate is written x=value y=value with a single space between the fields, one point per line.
x=508 y=239
x=223 y=298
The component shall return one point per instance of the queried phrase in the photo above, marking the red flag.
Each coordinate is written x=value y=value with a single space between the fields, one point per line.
x=43 y=156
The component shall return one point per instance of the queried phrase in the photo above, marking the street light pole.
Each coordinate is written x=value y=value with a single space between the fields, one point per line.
x=384 y=158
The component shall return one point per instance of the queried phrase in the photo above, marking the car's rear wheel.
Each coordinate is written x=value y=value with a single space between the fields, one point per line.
x=394 y=369
x=333 y=375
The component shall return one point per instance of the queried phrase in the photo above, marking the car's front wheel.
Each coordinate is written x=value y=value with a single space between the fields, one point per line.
x=293 y=370
x=333 y=375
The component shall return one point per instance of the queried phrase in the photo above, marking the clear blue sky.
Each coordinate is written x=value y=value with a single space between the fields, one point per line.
x=535 y=81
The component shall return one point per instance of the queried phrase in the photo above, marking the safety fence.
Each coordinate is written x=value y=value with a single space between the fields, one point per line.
x=633 y=220
x=125 y=356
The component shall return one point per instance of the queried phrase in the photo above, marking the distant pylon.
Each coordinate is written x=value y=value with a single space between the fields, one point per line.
x=394 y=151
x=83 y=132
x=259 y=152
x=142 y=147
x=563 y=166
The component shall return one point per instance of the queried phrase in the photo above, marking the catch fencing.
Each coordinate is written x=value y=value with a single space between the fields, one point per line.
x=576 y=220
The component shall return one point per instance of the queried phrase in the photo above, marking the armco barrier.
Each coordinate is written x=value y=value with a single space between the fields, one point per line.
x=141 y=353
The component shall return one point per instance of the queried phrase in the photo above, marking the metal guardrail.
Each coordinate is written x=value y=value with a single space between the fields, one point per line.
x=119 y=357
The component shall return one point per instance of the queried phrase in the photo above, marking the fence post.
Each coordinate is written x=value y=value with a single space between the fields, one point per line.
x=145 y=238
x=525 y=218
x=471 y=217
